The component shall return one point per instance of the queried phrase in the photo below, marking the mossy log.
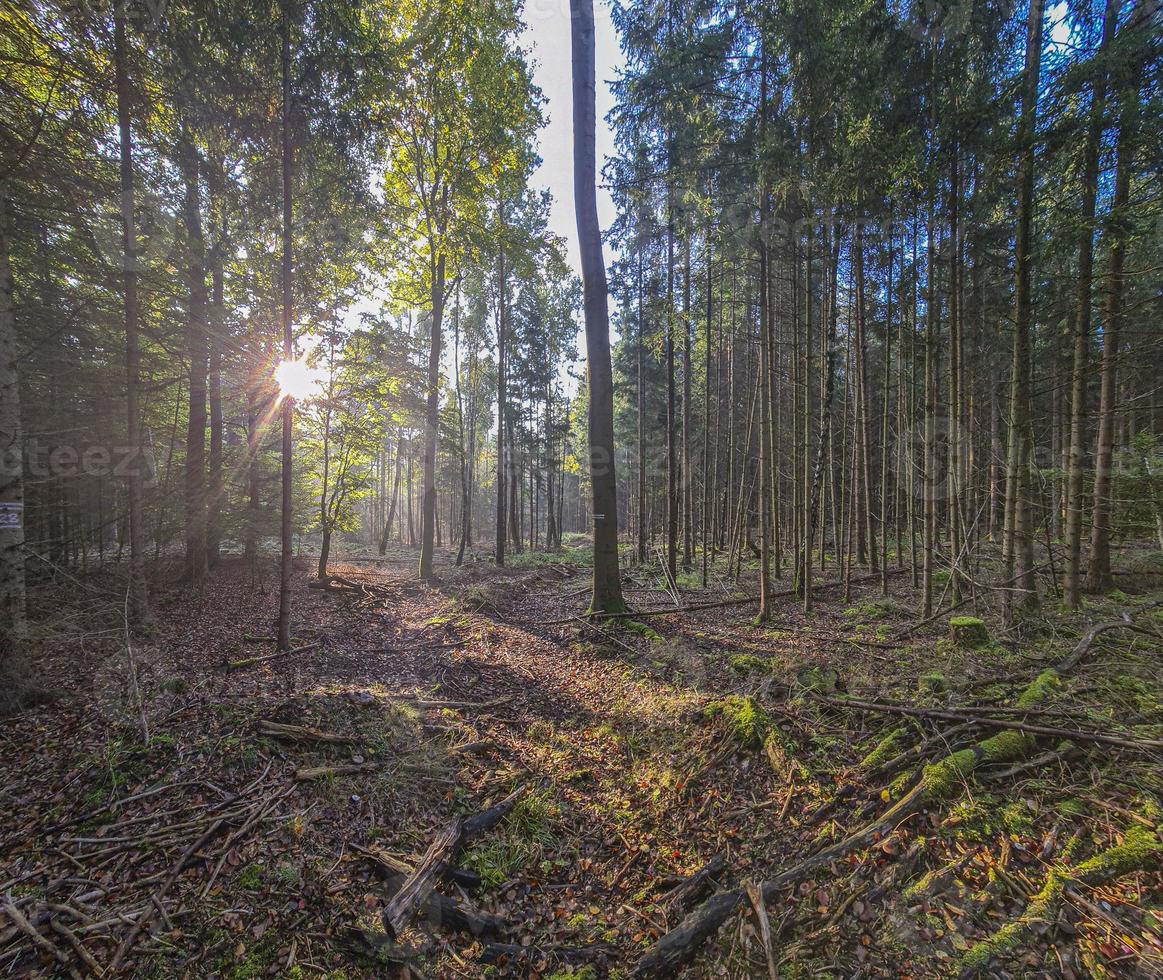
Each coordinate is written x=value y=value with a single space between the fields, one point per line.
x=939 y=782
x=1140 y=845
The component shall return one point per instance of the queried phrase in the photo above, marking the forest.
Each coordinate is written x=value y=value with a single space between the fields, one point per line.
x=703 y=518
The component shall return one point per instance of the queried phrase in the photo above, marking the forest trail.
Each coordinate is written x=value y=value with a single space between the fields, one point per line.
x=237 y=847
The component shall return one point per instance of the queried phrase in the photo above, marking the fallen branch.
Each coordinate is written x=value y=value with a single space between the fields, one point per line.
x=938 y=782
x=301 y=733
x=417 y=887
x=723 y=604
x=278 y=654
x=976 y=717
x=310 y=773
x=1138 y=848
x=691 y=888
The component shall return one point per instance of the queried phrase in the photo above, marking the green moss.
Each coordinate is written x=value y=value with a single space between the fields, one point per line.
x=746 y=720
x=933 y=682
x=885 y=749
x=1139 y=845
x=940 y=778
x=251 y=877
x=823 y=680
x=1043 y=908
x=968 y=632
x=744 y=663
x=1041 y=689
x=641 y=629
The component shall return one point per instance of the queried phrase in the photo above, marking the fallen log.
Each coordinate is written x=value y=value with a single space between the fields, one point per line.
x=722 y=604
x=301 y=733
x=310 y=773
x=693 y=887
x=388 y=865
x=414 y=892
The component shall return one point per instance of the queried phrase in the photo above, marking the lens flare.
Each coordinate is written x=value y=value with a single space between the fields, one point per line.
x=298 y=380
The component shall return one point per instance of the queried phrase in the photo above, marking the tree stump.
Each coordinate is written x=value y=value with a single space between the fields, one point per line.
x=968 y=632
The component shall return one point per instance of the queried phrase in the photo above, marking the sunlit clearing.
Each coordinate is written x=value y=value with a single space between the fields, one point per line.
x=298 y=379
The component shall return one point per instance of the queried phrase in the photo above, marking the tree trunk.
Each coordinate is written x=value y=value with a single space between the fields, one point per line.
x=138 y=590
x=641 y=421
x=197 y=352
x=607 y=585
x=13 y=624
x=285 y=526
x=502 y=314
x=1018 y=547
x=216 y=487
x=1098 y=573
x=431 y=422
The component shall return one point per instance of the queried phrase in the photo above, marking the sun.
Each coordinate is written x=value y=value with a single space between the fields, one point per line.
x=298 y=380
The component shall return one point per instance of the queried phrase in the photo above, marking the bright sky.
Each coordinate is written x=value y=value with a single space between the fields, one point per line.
x=547 y=38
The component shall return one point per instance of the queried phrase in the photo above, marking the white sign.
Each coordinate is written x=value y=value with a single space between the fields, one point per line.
x=11 y=516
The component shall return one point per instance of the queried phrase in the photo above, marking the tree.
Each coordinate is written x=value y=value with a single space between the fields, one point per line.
x=1018 y=547
x=607 y=583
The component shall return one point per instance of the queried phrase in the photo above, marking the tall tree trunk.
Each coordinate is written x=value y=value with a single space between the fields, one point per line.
x=641 y=420
x=431 y=421
x=1076 y=455
x=687 y=474
x=672 y=488
x=1098 y=572
x=502 y=396
x=766 y=462
x=138 y=604
x=13 y=624
x=1018 y=547
x=392 y=505
x=197 y=352
x=285 y=526
x=607 y=586
x=464 y=450
x=216 y=478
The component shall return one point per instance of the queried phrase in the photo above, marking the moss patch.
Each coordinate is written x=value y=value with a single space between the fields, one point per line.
x=887 y=748
x=968 y=632
x=745 y=663
x=745 y=719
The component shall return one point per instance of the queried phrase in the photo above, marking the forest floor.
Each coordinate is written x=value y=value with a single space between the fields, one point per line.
x=158 y=824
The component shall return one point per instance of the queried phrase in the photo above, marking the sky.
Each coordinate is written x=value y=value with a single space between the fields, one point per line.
x=547 y=40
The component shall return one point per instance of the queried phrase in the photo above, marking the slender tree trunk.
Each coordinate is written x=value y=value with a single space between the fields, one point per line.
x=641 y=420
x=704 y=520
x=392 y=505
x=607 y=585
x=1018 y=547
x=13 y=623
x=138 y=604
x=431 y=421
x=502 y=397
x=1076 y=457
x=286 y=566
x=672 y=488
x=198 y=353
x=1098 y=572
x=216 y=485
